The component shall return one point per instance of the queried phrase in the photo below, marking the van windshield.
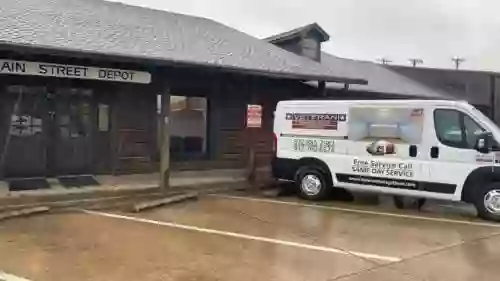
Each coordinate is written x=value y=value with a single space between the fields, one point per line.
x=484 y=119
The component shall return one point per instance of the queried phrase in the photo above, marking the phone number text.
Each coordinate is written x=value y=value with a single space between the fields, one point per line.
x=312 y=145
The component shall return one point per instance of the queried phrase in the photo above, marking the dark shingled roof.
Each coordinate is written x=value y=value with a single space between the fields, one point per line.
x=380 y=79
x=100 y=27
x=296 y=32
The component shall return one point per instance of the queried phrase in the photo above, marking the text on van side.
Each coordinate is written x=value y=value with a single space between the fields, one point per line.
x=377 y=167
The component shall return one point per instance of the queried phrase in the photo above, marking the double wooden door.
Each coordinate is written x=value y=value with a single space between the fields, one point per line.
x=46 y=132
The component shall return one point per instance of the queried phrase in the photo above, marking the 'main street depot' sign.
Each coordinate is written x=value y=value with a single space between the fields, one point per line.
x=73 y=71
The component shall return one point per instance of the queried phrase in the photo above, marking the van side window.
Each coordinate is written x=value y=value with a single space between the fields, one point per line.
x=472 y=131
x=448 y=127
x=455 y=129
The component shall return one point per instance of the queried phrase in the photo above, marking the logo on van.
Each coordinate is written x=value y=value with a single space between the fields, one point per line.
x=381 y=147
x=316 y=121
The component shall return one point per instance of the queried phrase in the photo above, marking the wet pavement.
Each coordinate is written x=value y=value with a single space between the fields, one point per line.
x=241 y=238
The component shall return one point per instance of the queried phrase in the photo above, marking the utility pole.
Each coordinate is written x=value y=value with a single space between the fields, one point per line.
x=458 y=61
x=414 y=61
x=384 y=60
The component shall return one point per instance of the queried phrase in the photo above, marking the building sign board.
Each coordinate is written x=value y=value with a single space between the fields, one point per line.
x=73 y=71
x=254 y=116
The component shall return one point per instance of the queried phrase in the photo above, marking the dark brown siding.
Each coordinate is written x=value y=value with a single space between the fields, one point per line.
x=6 y=107
x=229 y=141
x=134 y=130
x=292 y=45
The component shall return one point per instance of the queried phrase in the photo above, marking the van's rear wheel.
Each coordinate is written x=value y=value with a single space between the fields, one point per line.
x=312 y=184
x=487 y=201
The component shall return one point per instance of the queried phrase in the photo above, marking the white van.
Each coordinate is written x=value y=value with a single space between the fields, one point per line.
x=437 y=149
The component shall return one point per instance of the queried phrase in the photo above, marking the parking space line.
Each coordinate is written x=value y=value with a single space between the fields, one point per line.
x=247 y=237
x=355 y=210
x=9 y=277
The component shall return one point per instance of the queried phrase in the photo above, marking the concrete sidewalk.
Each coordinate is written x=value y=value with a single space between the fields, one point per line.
x=124 y=185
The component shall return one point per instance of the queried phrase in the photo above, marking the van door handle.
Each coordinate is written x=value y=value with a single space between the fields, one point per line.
x=413 y=151
x=434 y=152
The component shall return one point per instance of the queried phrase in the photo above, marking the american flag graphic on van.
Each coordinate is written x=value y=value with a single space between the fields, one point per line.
x=316 y=121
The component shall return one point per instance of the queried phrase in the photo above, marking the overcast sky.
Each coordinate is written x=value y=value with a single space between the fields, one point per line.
x=433 y=30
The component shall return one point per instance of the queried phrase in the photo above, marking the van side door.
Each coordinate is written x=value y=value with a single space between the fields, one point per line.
x=384 y=149
x=450 y=155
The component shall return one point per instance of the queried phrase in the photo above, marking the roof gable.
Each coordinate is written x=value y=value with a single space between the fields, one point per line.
x=299 y=32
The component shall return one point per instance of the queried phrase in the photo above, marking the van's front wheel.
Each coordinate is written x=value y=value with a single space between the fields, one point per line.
x=312 y=184
x=487 y=202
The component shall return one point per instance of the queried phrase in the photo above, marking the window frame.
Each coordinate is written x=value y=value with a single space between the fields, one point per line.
x=184 y=155
x=461 y=120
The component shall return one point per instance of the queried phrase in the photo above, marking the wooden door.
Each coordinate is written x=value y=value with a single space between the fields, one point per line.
x=25 y=134
x=73 y=126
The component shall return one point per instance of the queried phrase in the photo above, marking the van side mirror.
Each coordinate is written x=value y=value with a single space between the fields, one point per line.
x=484 y=142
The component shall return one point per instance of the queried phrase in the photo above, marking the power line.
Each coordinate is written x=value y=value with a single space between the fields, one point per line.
x=415 y=61
x=384 y=60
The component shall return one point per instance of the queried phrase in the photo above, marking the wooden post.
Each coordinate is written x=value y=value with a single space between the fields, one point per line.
x=252 y=169
x=322 y=88
x=252 y=138
x=165 y=139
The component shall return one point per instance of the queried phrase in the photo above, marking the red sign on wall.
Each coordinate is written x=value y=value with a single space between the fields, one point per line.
x=254 y=116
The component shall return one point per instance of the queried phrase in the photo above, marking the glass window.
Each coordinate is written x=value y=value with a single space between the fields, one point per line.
x=103 y=117
x=456 y=129
x=188 y=127
x=448 y=128
x=25 y=125
x=472 y=131
x=26 y=118
x=73 y=112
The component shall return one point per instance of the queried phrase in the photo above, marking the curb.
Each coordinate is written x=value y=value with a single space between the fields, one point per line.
x=24 y=212
x=164 y=201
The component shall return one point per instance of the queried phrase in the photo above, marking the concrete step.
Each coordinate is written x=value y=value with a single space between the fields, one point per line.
x=15 y=202
x=121 y=186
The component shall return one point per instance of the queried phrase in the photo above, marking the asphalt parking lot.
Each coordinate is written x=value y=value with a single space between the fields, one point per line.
x=233 y=237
